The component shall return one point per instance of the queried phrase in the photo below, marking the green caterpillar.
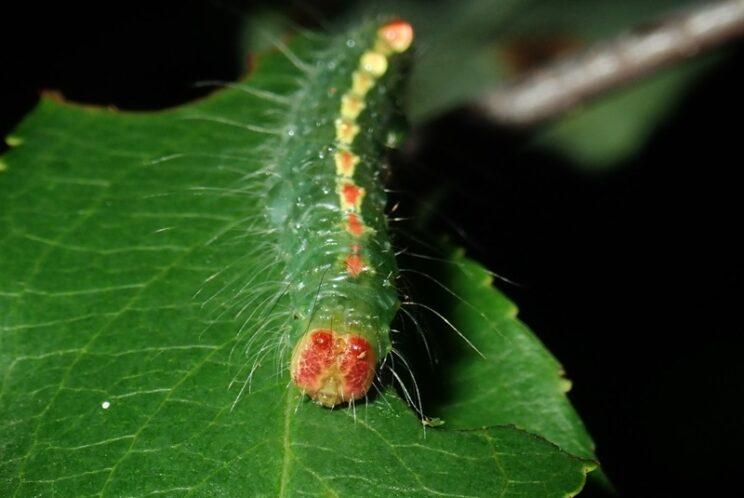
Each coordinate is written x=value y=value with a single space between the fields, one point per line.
x=328 y=209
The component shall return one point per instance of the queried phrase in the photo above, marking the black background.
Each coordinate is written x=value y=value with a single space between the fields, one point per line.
x=631 y=277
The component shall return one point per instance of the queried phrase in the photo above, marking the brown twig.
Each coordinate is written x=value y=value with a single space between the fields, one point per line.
x=571 y=80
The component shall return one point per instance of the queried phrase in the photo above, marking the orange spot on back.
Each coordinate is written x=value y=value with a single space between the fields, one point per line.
x=354 y=265
x=354 y=225
x=345 y=163
x=398 y=35
x=351 y=106
x=352 y=194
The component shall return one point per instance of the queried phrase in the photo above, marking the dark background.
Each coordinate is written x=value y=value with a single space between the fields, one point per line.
x=631 y=277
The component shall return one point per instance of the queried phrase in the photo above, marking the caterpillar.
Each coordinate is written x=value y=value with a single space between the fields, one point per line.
x=329 y=211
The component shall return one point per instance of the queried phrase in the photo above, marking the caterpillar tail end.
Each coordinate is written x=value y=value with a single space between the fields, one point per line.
x=397 y=35
x=333 y=368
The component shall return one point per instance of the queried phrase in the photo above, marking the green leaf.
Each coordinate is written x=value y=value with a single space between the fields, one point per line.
x=119 y=378
x=505 y=376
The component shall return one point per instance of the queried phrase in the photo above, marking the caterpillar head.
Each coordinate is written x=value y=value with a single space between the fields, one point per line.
x=333 y=368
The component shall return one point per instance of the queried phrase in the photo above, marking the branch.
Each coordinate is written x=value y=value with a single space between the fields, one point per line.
x=572 y=80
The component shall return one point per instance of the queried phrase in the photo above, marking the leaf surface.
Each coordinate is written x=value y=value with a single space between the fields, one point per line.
x=502 y=374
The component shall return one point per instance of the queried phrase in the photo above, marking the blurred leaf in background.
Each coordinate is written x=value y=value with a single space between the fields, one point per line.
x=467 y=48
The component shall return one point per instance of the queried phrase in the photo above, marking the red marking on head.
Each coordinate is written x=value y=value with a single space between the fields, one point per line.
x=333 y=368
x=351 y=193
x=354 y=225
x=397 y=34
x=354 y=265
x=358 y=365
x=317 y=358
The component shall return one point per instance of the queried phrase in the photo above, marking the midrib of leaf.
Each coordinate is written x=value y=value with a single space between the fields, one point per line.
x=286 y=456
x=298 y=102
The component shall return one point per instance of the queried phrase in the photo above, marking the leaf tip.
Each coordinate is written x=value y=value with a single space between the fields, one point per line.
x=586 y=468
